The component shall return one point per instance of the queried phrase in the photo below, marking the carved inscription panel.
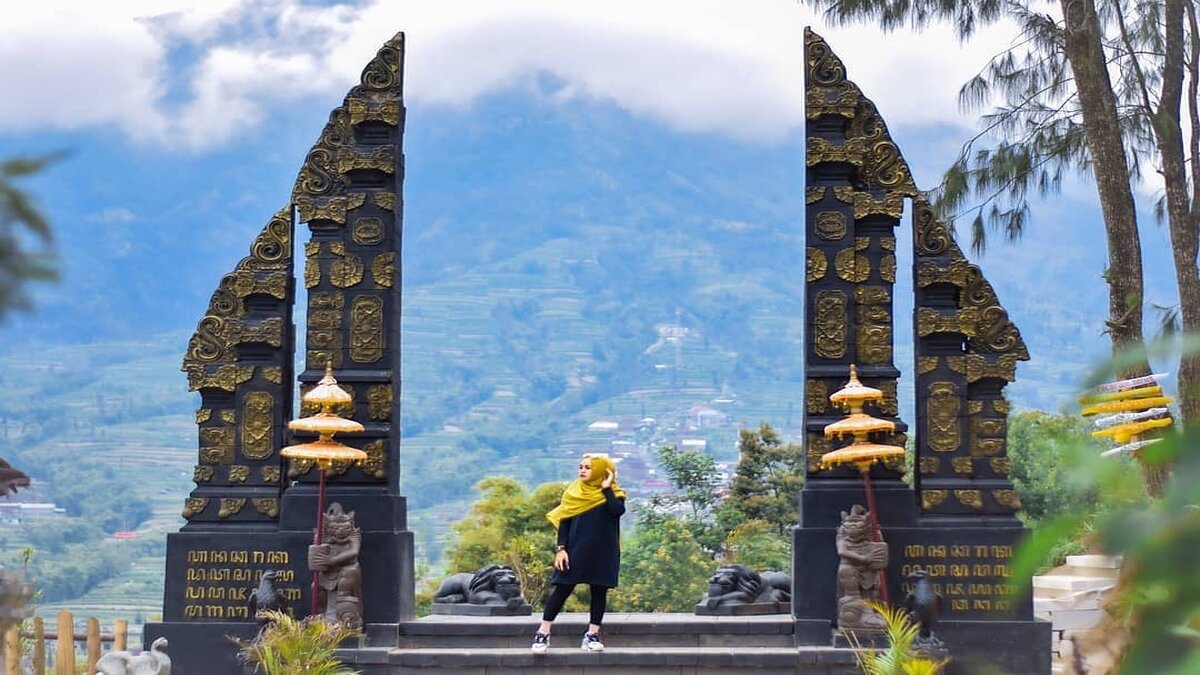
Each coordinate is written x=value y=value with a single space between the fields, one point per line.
x=218 y=582
x=972 y=577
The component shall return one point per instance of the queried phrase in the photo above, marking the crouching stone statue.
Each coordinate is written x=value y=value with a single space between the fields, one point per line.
x=493 y=591
x=736 y=589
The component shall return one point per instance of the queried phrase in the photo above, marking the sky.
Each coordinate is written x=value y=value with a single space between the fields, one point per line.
x=191 y=75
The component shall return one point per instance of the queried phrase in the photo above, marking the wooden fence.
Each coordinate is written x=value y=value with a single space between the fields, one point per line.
x=64 y=654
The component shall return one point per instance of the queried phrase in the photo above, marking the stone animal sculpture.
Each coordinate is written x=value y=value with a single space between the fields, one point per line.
x=11 y=479
x=924 y=605
x=740 y=585
x=336 y=558
x=266 y=598
x=491 y=585
x=858 y=571
x=153 y=662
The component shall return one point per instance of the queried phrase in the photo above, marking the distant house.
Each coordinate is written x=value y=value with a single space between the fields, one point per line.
x=704 y=417
x=693 y=444
x=603 y=426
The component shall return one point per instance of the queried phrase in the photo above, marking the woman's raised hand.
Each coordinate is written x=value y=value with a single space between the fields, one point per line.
x=562 y=562
x=608 y=479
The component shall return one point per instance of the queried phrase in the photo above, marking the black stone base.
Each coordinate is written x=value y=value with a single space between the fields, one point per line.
x=859 y=638
x=748 y=609
x=202 y=648
x=466 y=609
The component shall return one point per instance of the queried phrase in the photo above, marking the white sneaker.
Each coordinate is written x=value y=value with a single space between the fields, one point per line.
x=591 y=643
x=541 y=643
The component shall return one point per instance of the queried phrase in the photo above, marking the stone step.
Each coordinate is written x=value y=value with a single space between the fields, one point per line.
x=688 y=631
x=1103 y=561
x=1092 y=599
x=1058 y=585
x=1081 y=571
x=620 y=661
x=1077 y=619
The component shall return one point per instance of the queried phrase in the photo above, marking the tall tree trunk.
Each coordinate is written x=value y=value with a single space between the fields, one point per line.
x=1098 y=107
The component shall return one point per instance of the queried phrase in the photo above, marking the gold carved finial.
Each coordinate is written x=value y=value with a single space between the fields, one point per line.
x=861 y=452
x=325 y=451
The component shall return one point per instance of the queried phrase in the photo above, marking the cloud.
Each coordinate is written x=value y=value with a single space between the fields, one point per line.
x=112 y=214
x=199 y=72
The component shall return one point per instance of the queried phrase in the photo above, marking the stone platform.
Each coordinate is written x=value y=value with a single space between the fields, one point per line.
x=662 y=644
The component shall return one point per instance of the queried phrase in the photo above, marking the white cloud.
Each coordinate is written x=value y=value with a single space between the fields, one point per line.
x=199 y=72
x=112 y=214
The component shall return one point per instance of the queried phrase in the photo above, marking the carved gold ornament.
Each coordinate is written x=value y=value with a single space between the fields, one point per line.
x=366 y=329
x=193 y=506
x=367 y=231
x=813 y=194
x=346 y=270
x=383 y=269
x=830 y=324
x=379 y=402
x=929 y=465
x=238 y=473
x=1002 y=466
x=970 y=498
x=942 y=417
x=267 y=506
x=202 y=474
x=228 y=416
x=963 y=466
x=375 y=463
x=231 y=506
x=850 y=266
x=270 y=474
x=926 y=364
x=816 y=396
x=332 y=209
x=818 y=446
x=273 y=374
x=1009 y=499
x=203 y=415
x=872 y=295
x=831 y=225
x=844 y=194
x=385 y=200
x=931 y=499
x=815 y=265
x=369 y=109
x=258 y=410
x=216 y=445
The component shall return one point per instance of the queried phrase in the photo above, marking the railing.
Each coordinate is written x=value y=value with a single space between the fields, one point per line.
x=64 y=653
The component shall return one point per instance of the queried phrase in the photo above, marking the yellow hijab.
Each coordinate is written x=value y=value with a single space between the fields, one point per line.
x=580 y=496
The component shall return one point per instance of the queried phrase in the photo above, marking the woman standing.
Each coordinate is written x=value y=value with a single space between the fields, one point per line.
x=589 y=546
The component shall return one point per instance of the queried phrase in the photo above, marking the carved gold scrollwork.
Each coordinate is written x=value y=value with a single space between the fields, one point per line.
x=850 y=266
x=328 y=208
x=376 y=461
x=268 y=331
x=258 y=410
x=892 y=205
x=312 y=272
x=887 y=268
x=931 y=499
x=976 y=367
x=818 y=445
x=844 y=194
x=273 y=374
x=270 y=474
x=929 y=273
x=382 y=74
x=216 y=445
x=193 y=506
x=319 y=176
x=926 y=364
x=202 y=473
x=272 y=248
x=299 y=467
x=841 y=99
x=988 y=447
x=379 y=402
x=963 y=466
x=831 y=225
x=385 y=200
x=873 y=341
x=273 y=284
x=872 y=295
x=231 y=506
x=974 y=407
x=815 y=265
x=929 y=465
x=367 y=231
x=823 y=67
x=317 y=358
x=267 y=506
x=228 y=416
x=346 y=270
x=226 y=377
x=1001 y=406
x=369 y=109
x=887 y=243
x=830 y=325
x=238 y=473
x=382 y=158
x=383 y=269
x=1002 y=466
x=890 y=405
x=942 y=416
x=813 y=194
x=989 y=426
x=203 y=415
x=816 y=396
x=932 y=236
x=820 y=150
x=970 y=498
x=1009 y=499
x=366 y=329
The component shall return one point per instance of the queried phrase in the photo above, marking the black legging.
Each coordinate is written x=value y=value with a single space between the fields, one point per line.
x=558 y=598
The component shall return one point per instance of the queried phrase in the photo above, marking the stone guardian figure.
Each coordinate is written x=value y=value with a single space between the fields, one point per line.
x=336 y=558
x=858 y=571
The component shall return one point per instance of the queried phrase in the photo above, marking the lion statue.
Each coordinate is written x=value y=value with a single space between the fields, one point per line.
x=740 y=585
x=492 y=585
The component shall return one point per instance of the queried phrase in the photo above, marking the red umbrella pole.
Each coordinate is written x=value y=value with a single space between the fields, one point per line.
x=876 y=534
x=316 y=587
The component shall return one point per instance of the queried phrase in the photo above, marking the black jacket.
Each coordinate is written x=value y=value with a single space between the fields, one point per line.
x=593 y=541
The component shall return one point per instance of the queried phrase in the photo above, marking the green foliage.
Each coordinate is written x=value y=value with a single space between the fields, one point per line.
x=288 y=646
x=1044 y=449
x=663 y=569
x=25 y=236
x=693 y=473
x=898 y=658
x=508 y=526
x=769 y=476
x=759 y=546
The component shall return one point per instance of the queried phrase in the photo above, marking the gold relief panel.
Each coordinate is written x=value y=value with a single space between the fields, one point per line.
x=815 y=265
x=1002 y=466
x=228 y=416
x=887 y=243
x=926 y=364
x=258 y=410
x=930 y=321
x=974 y=407
x=273 y=374
x=379 y=402
x=1001 y=406
x=887 y=268
x=818 y=445
x=891 y=205
x=202 y=474
x=844 y=194
x=369 y=109
x=988 y=447
x=385 y=200
x=375 y=463
x=193 y=506
x=272 y=248
x=268 y=331
x=819 y=150
x=366 y=329
x=327 y=301
x=367 y=231
x=312 y=249
x=872 y=295
x=816 y=396
x=383 y=269
x=203 y=415
x=873 y=343
x=890 y=405
x=932 y=236
x=977 y=367
x=346 y=270
x=989 y=426
x=1009 y=499
x=317 y=358
x=841 y=100
x=942 y=412
x=231 y=506
x=963 y=466
x=970 y=498
x=330 y=340
x=931 y=499
x=238 y=473
x=267 y=506
x=873 y=314
x=246 y=282
x=270 y=474
x=929 y=465
x=850 y=266
x=813 y=194
x=312 y=272
x=959 y=273
x=216 y=445
x=822 y=66
x=382 y=158
x=328 y=208
x=895 y=463
x=299 y=467
x=226 y=378
x=831 y=225
x=830 y=325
